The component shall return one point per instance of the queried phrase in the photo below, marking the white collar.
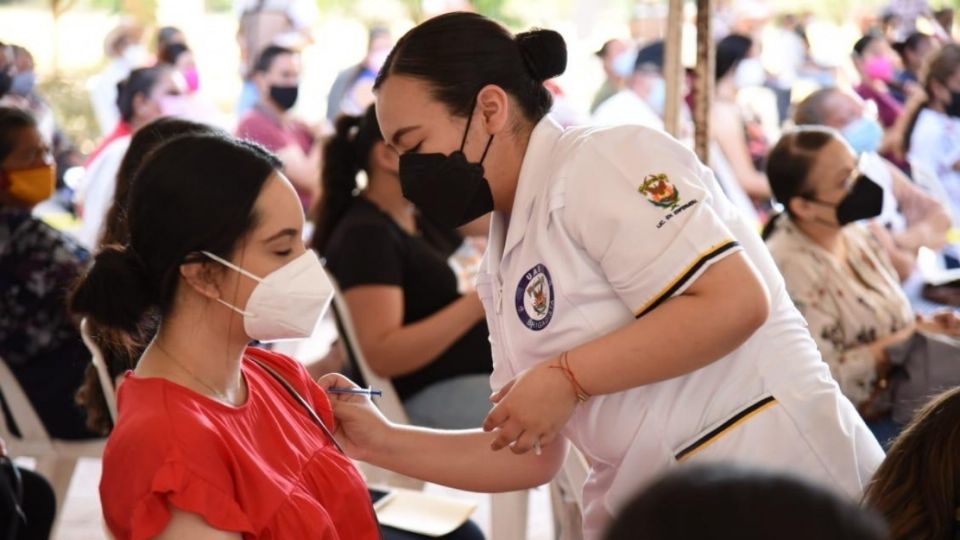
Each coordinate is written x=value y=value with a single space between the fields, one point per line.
x=534 y=173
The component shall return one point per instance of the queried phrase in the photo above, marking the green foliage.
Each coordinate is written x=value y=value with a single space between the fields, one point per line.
x=68 y=96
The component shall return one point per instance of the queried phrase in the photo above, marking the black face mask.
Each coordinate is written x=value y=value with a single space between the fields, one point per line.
x=953 y=108
x=864 y=201
x=6 y=81
x=449 y=190
x=284 y=96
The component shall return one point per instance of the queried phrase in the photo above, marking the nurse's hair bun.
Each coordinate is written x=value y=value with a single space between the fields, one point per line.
x=544 y=53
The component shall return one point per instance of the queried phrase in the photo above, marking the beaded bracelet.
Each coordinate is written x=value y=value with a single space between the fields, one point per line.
x=564 y=366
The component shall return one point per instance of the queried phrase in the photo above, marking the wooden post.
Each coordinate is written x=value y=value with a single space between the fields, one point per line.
x=703 y=86
x=673 y=67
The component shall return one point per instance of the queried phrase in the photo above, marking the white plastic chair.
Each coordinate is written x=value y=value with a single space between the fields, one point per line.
x=103 y=372
x=56 y=459
x=508 y=511
x=567 y=496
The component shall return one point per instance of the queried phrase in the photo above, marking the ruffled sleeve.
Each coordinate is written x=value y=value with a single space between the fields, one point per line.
x=174 y=484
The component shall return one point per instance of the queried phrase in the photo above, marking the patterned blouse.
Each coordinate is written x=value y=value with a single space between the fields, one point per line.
x=847 y=304
x=38 y=339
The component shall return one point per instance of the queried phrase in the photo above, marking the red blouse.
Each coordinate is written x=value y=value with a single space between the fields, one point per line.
x=263 y=469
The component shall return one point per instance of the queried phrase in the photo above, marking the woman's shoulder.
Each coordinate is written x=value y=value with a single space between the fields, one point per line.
x=287 y=367
x=788 y=247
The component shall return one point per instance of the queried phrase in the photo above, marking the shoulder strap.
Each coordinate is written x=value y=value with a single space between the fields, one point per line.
x=299 y=398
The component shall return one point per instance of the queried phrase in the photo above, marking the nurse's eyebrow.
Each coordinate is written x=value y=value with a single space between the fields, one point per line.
x=395 y=140
x=286 y=232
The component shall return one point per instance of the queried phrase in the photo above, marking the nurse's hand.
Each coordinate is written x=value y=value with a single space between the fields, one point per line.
x=361 y=429
x=533 y=407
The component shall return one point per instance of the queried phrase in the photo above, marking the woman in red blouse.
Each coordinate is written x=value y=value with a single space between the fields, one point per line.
x=210 y=443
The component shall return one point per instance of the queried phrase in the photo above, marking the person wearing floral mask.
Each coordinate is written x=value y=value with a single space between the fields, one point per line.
x=911 y=218
x=147 y=94
x=38 y=339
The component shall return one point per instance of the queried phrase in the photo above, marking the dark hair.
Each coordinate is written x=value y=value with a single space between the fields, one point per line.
x=267 y=56
x=344 y=155
x=812 y=110
x=171 y=53
x=194 y=193
x=140 y=82
x=145 y=140
x=122 y=349
x=165 y=34
x=939 y=68
x=912 y=43
x=789 y=164
x=12 y=120
x=460 y=53
x=375 y=33
x=732 y=502
x=917 y=487
x=861 y=45
x=732 y=50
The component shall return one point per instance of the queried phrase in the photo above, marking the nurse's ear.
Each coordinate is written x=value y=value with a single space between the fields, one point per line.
x=494 y=106
x=385 y=158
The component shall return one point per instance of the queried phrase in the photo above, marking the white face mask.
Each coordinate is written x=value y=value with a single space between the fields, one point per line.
x=288 y=303
x=750 y=73
x=135 y=56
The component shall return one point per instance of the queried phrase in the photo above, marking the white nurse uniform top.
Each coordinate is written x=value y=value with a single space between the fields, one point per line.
x=607 y=224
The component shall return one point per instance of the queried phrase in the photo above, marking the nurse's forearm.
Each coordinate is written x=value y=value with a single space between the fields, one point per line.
x=723 y=308
x=464 y=460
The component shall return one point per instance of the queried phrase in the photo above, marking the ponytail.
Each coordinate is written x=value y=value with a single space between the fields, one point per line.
x=114 y=293
x=344 y=155
x=771 y=225
x=911 y=125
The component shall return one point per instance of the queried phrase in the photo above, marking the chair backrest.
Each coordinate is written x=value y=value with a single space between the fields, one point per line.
x=33 y=439
x=103 y=372
x=575 y=469
x=389 y=403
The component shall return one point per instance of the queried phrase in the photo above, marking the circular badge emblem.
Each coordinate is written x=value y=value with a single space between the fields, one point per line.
x=535 y=298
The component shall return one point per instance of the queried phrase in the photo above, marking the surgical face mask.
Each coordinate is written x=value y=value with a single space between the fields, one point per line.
x=448 y=189
x=750 y=73
x=23 y=83
x=29 y=186
x=657 y=97
x=879 y=68
x=864 y=135
x=135 y=56
x=623 y=63
x=288 y=302
x=174 y=105
x=864 y=201
x=284 y=96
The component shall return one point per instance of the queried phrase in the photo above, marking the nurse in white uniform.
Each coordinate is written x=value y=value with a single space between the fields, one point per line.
x=631 y=311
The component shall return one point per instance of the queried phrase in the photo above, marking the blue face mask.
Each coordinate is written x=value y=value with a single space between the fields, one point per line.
x=658 y=96
x=864 y=135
